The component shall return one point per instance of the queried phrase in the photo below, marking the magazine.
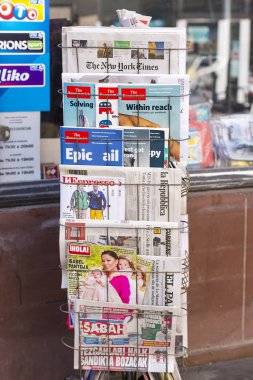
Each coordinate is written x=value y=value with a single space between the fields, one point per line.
x=131 y=147
x=92 y=277
x=107 y=101
x=105 y=273
x=85 y=196
x=129 y=193
x=149 y=105
x=110 y=336
x=105 y=50
x=181 y=134
x=91 y=146
x=79 y=104
x=149 y=238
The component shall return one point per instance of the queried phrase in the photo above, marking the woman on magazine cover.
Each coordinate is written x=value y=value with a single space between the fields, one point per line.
x=120 y=282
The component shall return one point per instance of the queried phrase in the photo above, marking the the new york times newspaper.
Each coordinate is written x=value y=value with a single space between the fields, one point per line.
x=115 y=337
x=117 y=50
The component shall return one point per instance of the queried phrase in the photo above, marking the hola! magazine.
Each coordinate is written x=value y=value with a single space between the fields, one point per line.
x=149 y=238
x=114 y=337
x=91 y=276
x=131 y=147
x=120 y=193
x=107 y=50
x=106 y=273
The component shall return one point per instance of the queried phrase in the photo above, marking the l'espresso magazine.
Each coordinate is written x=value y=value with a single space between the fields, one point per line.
x=120 y=193
x=110 y=336
x=149 y=238
x=131 y=147
x=76 y=82
x=115 y=50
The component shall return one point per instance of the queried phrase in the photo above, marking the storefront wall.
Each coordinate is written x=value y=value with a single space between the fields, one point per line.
x=220 y=294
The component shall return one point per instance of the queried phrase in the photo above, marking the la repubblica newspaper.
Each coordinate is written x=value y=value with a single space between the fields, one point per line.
x=107 y=50
x=120 y=194
x=114 y=337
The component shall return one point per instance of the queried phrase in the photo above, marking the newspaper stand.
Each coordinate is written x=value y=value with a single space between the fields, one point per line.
x=81 y=307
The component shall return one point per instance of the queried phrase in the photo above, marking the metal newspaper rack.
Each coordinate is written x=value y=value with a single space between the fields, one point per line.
x=81 y=308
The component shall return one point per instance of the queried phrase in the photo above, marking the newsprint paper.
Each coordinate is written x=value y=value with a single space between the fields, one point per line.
x=120 y=193
x=114 y=337
x=124 y=50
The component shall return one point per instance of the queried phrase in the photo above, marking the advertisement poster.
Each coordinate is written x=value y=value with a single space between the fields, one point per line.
x=20 y=155
x=24 y=56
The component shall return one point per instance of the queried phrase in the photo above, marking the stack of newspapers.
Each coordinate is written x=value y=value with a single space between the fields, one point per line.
x=123 y=217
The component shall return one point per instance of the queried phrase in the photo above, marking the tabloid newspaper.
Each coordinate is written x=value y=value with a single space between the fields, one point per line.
x=131 y=147
x=114 y=337
x=149 y=238
x=179 y=134
x=108 y=50
x=120 y=193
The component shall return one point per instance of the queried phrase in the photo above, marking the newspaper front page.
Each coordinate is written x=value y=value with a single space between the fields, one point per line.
x=106 y=50
x=110 y=336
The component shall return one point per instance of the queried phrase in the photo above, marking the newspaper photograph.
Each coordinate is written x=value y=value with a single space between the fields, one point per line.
x=129 y=193
x=110 y=336
x=113 y=50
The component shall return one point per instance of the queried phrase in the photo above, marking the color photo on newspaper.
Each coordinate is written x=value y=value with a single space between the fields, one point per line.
x=114 y=337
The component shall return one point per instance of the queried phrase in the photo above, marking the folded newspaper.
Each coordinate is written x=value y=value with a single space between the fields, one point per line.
x=110 y=336
x=128 y=50
x=148 y=238
x=120 y=193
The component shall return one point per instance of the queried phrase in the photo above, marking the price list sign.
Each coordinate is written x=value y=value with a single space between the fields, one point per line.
x=20 y=155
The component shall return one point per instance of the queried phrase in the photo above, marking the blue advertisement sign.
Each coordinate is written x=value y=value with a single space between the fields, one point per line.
x=24 y=55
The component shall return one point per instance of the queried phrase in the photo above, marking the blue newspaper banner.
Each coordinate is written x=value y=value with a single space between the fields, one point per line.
x=25 y=56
